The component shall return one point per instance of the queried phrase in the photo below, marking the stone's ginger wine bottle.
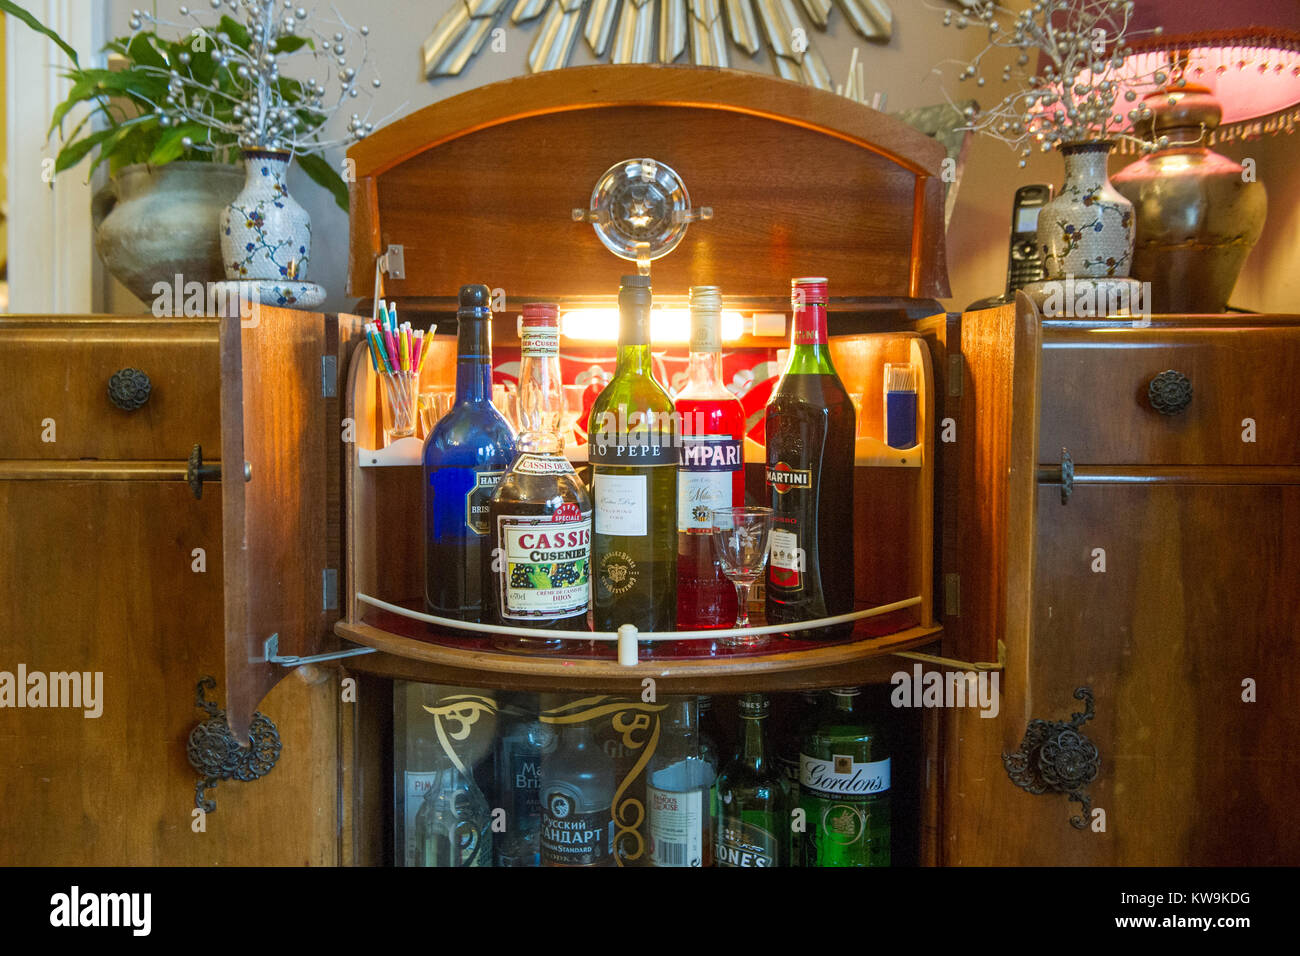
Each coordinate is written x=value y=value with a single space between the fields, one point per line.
x=810 y=426
x=752 y=824
x=464 y=457
x=539 y=518
x=679 y=782
x=710 y=471
x=633 y=452
x=577 y=798
x=844 y=781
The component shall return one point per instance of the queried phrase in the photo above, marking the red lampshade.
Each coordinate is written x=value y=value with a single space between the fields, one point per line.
x=1247 y=52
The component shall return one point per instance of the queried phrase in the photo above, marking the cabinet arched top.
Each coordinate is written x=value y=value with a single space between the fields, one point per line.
x=481 y=187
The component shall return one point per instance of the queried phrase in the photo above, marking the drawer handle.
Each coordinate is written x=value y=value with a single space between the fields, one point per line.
x=1170 y=392
x=196 y=473
x=129 y=388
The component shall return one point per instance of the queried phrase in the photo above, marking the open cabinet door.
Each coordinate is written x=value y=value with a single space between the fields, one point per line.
x=279 y=432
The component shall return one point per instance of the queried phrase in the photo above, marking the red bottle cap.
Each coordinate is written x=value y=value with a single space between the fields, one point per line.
x=541 y=313
x=808 y=291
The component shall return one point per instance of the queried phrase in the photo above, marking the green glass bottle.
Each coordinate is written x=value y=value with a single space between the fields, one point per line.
x=632 y=449
x=844 y=779
x=752 y=820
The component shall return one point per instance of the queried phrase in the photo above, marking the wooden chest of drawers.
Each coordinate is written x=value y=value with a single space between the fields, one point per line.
x=1158 y=565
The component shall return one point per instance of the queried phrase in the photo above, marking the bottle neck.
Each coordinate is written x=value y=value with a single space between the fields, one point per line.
x=474 y=360
x=541 y=404
x=704 y=373
x=843 y=703
x=810 y=352
x=634 y=340
x=752 y=750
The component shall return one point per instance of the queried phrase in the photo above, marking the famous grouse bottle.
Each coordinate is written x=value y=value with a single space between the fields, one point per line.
x=810 y=428
x=464 y=457
x=632 y=447
x=710 y=472
x=539 y=517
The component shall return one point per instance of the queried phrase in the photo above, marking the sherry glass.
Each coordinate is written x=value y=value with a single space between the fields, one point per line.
x=740 y=535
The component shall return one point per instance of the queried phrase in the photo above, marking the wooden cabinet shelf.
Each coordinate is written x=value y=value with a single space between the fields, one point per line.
x=414 y=650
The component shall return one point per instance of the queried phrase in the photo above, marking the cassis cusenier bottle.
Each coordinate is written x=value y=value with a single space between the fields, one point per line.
x=464 y=458
x=811 y=427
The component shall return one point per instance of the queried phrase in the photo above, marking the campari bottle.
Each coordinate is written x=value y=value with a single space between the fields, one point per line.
x=753 y=824
x=710 y=471
x=539 y=517
x=465 y=456
x=632 y=446
x=810 y=428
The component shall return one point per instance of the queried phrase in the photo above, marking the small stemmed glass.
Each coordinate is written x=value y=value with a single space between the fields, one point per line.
x=740 y=536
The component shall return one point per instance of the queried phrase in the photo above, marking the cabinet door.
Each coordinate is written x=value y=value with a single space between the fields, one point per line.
x=101 y=577
x=1187 y=639
x=280 y=459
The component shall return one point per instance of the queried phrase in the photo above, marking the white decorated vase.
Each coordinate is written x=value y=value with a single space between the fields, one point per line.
x=1087 y=230
x=265 y=234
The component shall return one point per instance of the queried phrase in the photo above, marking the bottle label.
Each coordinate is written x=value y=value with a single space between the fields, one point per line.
x=545 y=465
x=629 y=450
x=706 y=333
x=570 y=838
x=782 y=478
x=476 y=500
x=744 y=844
x=618 y=572
x=523 y=764
x=841 y=776
x=809 y=325
x=416 y=785
x=539 y=341
x=642 y=438
x=545 y=571
x=704 y=478
x=620 y=502
x=676 y=827
x=785 y=560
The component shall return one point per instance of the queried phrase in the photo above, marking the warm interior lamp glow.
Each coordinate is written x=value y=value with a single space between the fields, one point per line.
x=667 y=326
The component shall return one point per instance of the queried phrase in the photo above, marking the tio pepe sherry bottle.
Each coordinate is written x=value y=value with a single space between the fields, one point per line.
x=711 y=470
x=632 y=448
x=811 y=426
x=464 y=457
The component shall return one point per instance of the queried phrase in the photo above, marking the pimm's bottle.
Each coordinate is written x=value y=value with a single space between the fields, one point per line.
x=711 y=470
x=811 y=426
x=464 y=457
x=632 y=448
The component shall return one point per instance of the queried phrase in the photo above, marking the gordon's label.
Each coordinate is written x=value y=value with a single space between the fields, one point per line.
x=546 y=567
x=842 y=777
x=705 y=476
x=571 y=838
x=783 y=478
x=744 y=844
x=476 y=500
x=676 y=827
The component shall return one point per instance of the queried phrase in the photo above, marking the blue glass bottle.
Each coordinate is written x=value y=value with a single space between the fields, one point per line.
x=464 y=457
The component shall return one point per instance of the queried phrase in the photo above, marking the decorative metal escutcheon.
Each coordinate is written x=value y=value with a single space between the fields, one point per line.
x=216 y=755
x=1067 y=476
x=640 y=210
x=1169 y=392
x=129 y=389
x=1056 y=757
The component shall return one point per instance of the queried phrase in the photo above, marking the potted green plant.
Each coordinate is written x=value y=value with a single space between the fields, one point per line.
x=171 y=124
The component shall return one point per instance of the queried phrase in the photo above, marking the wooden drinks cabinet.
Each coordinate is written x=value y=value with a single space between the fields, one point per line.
x=966 y=540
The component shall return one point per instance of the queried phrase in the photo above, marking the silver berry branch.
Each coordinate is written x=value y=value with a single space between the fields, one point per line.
x=248 y=97
x=1070 y=80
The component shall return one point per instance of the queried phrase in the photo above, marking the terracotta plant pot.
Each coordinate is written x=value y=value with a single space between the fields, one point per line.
x=155 y=223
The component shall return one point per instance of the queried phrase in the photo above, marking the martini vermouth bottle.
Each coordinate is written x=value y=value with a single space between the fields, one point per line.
x=539 y=517
x=811 y=426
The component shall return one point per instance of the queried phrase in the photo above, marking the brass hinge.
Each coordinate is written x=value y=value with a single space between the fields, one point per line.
x=952 y=595
x=955 y=370
x=952 y=663
x=329 y=375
